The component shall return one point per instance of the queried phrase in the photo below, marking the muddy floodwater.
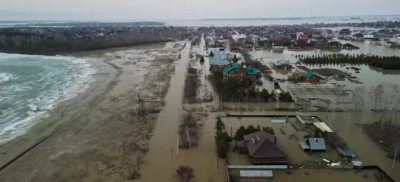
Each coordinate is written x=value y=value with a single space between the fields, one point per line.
x=344 y=124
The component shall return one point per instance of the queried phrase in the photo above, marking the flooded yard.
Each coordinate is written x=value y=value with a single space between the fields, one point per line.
x=328 y=175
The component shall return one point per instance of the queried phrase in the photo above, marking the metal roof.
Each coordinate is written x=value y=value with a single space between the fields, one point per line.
x=322 y=126
x=310 y=74
x=281 y=62
x=250 y=71
x=346 y=150
x=219 y=58
x=256 y=173
x=304 y=146
x=317 y=143
x=357 y=163
x=231 y=69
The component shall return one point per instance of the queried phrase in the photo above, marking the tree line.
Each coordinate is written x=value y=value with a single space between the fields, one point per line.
x=222 y=139
x=384 y=62
x=50 y=44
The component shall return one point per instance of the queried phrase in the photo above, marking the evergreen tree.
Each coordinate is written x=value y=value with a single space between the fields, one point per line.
x=202 y=59
x=211 y=54
x=219 y=125
x=235 y=59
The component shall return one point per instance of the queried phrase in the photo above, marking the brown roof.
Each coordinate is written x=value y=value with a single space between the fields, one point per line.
x=263 y=144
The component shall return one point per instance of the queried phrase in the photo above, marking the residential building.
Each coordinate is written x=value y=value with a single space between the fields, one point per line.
x=302 y=37
x=237 y=72
x=369 y=37
x=344 y=33
x=304 y=43
x=313 y=144
x=282 y=64
x=312 y=78
x=219 y=60
x=263 y=149
x=327 y=44
x=358 y=37
x=248 y=44
x=211 y=43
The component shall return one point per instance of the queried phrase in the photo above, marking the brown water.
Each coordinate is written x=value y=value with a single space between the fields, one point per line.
x=160 y=160
x=161 y=163
x=343 y=124
x=326 y=175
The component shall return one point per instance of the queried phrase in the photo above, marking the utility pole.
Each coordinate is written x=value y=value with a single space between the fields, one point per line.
x=177 y=144
x=172 y=155
x=145 y=139
x=394 y=159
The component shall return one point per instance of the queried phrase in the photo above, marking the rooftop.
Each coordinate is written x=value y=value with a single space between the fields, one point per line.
x=231 y=69
x=310 y=74
x=281 y=62
x=263 y=144
x=219 y=58
x=250 y=71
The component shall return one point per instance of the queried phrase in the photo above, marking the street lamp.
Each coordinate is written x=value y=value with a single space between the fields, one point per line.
x=172 y=155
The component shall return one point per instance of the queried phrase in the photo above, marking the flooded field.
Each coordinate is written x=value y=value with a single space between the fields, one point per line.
x=101 y=135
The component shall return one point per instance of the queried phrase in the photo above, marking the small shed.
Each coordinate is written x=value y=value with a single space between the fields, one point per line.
x=323 y=127
x=278 y=121
x=357 y=164
x=304 y=118
x=345 y=150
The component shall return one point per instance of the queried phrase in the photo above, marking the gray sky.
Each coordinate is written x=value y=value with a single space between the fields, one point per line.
x=189 y=9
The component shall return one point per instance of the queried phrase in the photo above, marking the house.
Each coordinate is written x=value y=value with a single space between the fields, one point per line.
x=340 y=76
x=208 y=38
x=302 y=37
x=358 y=36
x=211 y=43
x=248 y=44
x=333 y=44
x=282 y=64
x=237 y=72
x=263 y=149
x=312 y=78
x=313 y=144
x=219 y=61
x=344 y=32
x=219 y=45
x=235 y=49
x=349 y=46
x=327 y=44
x=304 y=43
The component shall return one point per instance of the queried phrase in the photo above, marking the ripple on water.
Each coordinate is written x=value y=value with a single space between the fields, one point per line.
x=31 y=85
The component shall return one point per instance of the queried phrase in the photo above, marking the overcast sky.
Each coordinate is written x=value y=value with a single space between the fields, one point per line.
x=189 y=9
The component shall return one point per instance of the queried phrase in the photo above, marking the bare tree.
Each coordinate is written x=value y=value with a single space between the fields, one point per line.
x=185 y=173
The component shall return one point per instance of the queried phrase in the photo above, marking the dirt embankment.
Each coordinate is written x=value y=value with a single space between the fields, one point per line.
x=107 y=140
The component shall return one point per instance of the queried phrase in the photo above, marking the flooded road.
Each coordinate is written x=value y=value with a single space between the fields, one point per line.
x=160 y=160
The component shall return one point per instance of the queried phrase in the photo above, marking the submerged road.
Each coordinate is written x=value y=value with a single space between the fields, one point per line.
x=158 y=161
